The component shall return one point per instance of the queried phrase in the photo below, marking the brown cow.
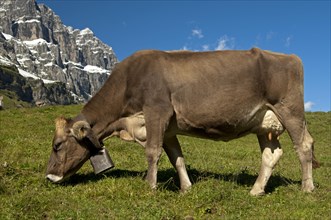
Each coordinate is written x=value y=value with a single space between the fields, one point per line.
x=152 y=96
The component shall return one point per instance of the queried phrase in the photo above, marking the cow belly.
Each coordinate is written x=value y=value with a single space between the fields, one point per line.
x=262 y=122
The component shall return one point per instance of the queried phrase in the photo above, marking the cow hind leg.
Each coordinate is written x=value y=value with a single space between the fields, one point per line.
x=271 y=153
x=174 y=152
x=304 y=149
x=307 y=159
x=303 y=144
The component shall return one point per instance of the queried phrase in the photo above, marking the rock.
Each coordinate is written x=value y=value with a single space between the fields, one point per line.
x=34 y=39
x=34 y=90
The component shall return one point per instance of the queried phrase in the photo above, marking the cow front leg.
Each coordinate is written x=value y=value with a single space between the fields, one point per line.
x=174 y=152
x=156 y=121
x=153 y=153
x=271 y=153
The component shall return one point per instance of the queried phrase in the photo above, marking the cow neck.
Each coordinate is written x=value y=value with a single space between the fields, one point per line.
x=99 y=118
x=106 y=106
x=101 y=111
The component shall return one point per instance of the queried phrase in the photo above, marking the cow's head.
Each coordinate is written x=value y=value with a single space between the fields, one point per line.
x=73 y=144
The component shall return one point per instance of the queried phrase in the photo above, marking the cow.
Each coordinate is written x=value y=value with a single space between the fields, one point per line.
x=153 y=96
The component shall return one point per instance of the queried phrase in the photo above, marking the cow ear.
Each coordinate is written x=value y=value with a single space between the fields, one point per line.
x=82 y=130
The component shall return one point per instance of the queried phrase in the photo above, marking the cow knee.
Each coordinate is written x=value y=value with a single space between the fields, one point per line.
x=153 y=155
x=270 y=158
x=180 y=163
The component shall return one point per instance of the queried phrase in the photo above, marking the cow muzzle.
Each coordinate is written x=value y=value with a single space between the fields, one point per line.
x=54 y=178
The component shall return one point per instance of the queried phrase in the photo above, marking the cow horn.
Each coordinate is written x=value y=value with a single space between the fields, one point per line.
x=80 y=129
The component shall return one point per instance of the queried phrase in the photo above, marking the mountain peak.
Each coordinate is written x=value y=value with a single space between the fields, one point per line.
x=34 y=39
x=86 y=31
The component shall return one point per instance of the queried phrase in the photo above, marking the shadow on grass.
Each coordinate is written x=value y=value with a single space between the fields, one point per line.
x=243 y=178
x=91 y=177
x=168 y=179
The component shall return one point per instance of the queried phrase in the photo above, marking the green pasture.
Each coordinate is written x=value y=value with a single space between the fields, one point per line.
x=222 y=175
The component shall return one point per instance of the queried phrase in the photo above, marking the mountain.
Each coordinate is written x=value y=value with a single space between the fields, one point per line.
x=60 y=64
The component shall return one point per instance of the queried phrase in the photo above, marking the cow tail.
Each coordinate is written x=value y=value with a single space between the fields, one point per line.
x=315 y=163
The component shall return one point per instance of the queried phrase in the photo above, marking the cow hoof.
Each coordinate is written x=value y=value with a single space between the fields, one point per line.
x=184 y=190
x=308 y=190
x=258 y=192
x=307 y=185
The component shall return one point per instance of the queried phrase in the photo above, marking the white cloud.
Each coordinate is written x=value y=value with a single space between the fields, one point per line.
x=309 y=105
x=195 y=43
x=184 y=48
x=205 y=47
x=270 y=35
x=225 y=43
x=288 y=41
x=257 y=40
x=197 y=33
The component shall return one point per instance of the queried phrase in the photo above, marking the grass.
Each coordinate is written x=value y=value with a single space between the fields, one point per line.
x=222 y=175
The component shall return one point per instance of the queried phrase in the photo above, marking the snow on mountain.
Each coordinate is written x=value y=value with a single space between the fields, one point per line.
x=7 y=36
x=95 y=69
x=35 y=42
x=5 y=61
x=30 y=75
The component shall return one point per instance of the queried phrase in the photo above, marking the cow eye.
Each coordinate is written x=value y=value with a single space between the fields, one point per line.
x=57 y=145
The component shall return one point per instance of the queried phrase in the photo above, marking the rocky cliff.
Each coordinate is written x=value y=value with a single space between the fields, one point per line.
x=34 y=40
x=31 y=90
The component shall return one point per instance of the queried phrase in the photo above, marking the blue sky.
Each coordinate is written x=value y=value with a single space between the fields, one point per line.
x=299 y=27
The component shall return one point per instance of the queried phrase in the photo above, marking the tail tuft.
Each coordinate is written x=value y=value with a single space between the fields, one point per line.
x=316 y=164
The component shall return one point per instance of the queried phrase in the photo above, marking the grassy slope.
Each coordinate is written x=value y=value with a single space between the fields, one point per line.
x=11 y=99
x=223 y=174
